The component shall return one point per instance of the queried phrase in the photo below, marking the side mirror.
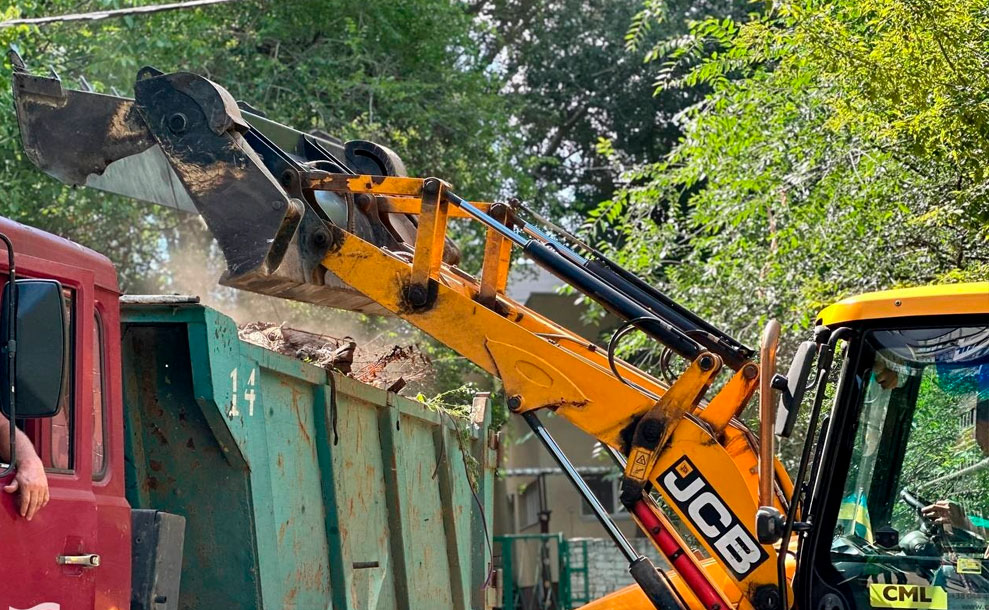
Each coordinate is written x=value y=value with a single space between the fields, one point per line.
x=768 y=525
x=796 y=385
x=39 y=354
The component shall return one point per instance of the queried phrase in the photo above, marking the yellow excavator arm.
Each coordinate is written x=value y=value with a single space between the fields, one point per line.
x=309 y=218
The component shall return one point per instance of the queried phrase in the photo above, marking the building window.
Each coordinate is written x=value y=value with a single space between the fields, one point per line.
x=605 y=489
x=529 y=510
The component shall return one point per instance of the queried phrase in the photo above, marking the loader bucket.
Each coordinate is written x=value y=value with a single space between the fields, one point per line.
x=182 y=142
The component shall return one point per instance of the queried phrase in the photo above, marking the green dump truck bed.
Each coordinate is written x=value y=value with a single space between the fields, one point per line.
x=293 y=499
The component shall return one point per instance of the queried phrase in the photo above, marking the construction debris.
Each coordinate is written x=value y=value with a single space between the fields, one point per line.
x=392 y=367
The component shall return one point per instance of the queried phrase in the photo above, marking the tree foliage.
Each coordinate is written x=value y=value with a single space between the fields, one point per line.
x=574 y=73
x=406 y=74
x=841 y=149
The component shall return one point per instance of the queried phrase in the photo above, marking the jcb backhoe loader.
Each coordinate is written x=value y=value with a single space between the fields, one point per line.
x=309 y=218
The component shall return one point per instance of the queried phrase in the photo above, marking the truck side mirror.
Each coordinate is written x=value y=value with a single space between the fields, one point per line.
x=796 y=385
x=39 y=354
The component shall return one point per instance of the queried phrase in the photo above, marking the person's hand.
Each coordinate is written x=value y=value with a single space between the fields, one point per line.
x=947 y=512
x=32 y=483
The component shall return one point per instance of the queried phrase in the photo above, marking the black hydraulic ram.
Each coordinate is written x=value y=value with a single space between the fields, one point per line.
x=563 y=266
x=650 y=580
x=613 y=299
x=733 y=353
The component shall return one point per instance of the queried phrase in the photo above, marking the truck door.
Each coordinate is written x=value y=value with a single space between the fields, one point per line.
x=41 y=558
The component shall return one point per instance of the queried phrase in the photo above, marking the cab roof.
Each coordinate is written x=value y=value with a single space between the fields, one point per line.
x=34 y=247
x=948 y=299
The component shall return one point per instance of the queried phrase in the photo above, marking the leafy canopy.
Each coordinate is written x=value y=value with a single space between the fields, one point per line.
x=840 y=150
x=407 y=74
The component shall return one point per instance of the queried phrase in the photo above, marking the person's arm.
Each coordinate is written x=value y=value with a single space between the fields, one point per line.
x=30 y=478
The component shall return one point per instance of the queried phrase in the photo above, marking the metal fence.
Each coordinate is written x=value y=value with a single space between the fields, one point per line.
x=537 y=572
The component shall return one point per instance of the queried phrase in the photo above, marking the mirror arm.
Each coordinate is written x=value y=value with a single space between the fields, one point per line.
x=824 y=361
x=780 y=382
x=767 y=437
x=11 y=350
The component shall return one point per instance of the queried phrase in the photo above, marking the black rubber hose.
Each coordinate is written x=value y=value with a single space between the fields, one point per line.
x=611 y=299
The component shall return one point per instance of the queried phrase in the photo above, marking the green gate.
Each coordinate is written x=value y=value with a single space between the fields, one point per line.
x=536 y=572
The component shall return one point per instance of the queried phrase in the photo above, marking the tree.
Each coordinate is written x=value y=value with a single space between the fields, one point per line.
x=574 y=81
x=839 y=151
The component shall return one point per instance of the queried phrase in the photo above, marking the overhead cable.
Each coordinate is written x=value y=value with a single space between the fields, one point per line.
x=111 y=14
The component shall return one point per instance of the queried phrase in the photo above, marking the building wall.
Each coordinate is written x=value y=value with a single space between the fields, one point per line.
x=566 y=505
x=607 y=570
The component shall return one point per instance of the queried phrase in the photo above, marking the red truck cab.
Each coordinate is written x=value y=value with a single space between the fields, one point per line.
x=82 y=446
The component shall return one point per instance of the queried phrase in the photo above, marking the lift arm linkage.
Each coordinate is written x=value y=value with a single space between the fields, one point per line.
x=313 y=219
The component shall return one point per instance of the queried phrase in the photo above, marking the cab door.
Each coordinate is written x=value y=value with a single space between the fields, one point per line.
x=38 y=570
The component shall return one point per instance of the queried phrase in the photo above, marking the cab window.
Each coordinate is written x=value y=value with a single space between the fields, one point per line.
x=53 y=437
x=99 y=402
x=57 y=434
x=914 y=513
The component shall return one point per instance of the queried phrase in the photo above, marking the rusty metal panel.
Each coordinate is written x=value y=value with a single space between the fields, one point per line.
x=284 y=509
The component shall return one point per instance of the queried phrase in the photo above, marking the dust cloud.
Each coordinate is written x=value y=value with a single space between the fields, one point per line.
x=194 y=265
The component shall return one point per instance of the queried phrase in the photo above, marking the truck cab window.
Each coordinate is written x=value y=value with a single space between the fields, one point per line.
x=57 y=441
x=914 y=514
x=53 y=437
x=99 y=403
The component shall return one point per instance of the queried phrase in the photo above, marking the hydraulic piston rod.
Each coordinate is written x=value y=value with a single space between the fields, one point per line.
x=641 y=568
x=564 y=267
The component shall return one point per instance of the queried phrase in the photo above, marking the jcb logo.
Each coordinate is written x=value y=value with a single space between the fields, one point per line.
x=705 y=509
x=907 y=596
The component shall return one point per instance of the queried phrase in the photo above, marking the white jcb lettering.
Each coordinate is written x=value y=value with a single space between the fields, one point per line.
x=682 y=495
x=738 y=549
x=712 y=519
x=708 y=499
